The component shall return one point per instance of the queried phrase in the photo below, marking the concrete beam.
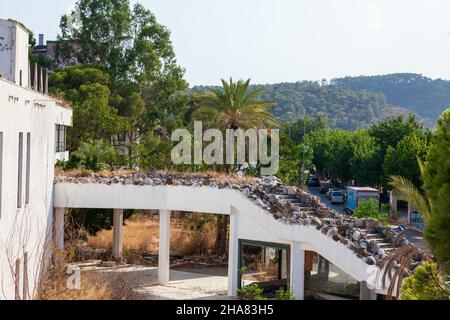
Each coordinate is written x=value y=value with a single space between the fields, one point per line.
x=297 y=285
x=118 y=234
x=58 y=229
x=233 y=252
x=164 y=248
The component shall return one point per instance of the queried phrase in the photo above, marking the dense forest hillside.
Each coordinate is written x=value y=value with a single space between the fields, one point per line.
x=343 y=108
x=427 y=97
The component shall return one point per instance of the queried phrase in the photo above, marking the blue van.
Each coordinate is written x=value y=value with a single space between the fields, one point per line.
x=358 y=194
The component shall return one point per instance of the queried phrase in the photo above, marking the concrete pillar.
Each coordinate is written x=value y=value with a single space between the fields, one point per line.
x=366 y=293
x=45 y=81
x=410 y=209
x=233 y=255
x=284 y=268
x=164 y=248
x=58 y=227
x=297 y=285
x=40 y=80
x=118 y=234
x=393 y=202
x=35 y=77
x=267 y=256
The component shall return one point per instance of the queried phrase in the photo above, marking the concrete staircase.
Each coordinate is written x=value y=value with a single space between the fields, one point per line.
x=379 y=239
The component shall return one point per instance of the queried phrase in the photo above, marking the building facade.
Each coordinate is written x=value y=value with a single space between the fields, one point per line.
x=31 y=142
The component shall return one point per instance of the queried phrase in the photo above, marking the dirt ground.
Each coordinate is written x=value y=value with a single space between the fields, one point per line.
x=141 y=283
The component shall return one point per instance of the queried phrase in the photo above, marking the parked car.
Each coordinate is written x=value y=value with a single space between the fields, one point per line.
x=329 y=192
x=324 y=190
x=314 y=182
x=337 y=197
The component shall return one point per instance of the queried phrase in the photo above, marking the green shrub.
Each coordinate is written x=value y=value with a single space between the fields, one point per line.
x=370 y=209
x=93 y=155
x=284 y=295
x=251 y=292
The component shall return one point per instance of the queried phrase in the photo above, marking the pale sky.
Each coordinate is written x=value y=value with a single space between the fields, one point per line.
x=274 y=41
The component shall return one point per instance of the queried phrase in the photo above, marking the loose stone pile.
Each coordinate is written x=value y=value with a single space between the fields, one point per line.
x=369 y=239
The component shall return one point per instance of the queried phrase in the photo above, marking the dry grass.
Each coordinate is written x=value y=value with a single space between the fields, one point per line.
x=93 y=287
x=141 y=235
x=55 y=286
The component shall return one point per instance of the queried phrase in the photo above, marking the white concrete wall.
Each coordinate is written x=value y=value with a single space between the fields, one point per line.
x=22 y=59
x=254 y=223
x=14 y=52
x=7 y=50
x=23 y=110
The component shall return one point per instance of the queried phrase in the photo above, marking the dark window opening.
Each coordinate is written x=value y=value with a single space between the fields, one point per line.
x=27 y=182
x=19 y=173
x=60 y=138
x=266 y=264
x=324 y=280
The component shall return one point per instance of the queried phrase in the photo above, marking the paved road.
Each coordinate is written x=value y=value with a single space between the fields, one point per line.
x=412 y=235
x=324 y=199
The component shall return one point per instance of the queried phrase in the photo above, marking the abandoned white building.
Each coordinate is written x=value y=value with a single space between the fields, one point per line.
x=313 y=245
x=32 y=127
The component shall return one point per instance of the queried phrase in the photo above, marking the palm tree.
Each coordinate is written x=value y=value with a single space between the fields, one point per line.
x=233 y=107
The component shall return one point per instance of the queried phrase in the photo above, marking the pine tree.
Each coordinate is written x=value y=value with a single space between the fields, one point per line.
x=436 y=175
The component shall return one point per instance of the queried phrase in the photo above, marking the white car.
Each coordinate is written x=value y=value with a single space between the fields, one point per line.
x=337 y=197
x=329 y=192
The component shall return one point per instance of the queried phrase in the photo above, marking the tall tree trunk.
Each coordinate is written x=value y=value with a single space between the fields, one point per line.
x=222 y=234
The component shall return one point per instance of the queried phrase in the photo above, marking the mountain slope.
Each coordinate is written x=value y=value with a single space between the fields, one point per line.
x=425 y=96
x=343 y=108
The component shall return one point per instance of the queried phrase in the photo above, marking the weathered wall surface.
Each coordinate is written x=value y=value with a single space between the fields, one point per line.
x=7 y=50
x=14 y=64
x=26 y=229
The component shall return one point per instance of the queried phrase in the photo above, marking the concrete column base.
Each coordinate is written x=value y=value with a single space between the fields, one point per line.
x=233 y=259
x=164 y=248
x=297 y=285
x=366 y=293
x=58 y=229
x=118 y=235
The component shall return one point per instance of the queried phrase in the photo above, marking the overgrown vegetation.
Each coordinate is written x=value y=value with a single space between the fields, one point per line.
x=370 y=209
x=284 y=295
x=251 y=292
x=193 y=235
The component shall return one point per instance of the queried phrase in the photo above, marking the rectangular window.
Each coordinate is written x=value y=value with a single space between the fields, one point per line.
x=60 y=138
x=19 y=173
x=1 y=170
x=27 y=181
